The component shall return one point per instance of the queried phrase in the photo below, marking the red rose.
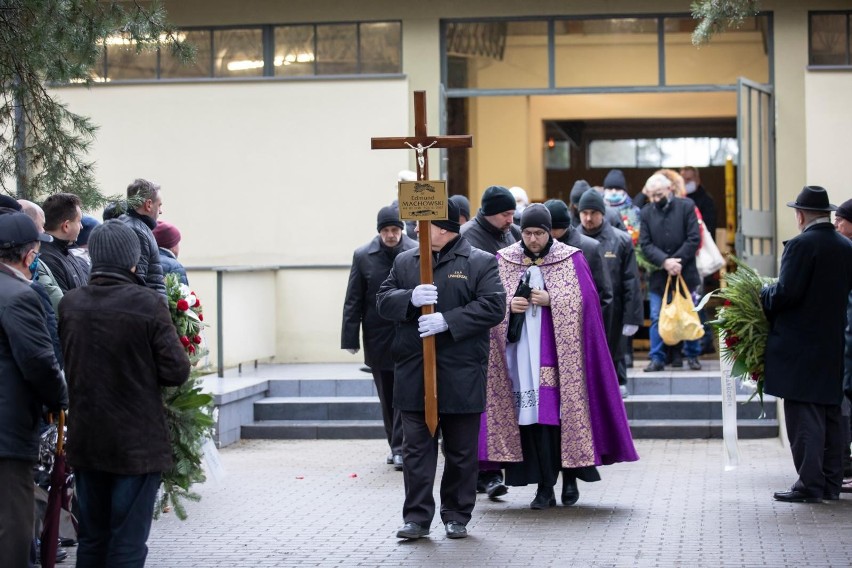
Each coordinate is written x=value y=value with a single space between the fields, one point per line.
x=727 y=302
x=197 y=340
x=731 y=340
x=197 y=303
x=185 y=341
x=182 y=305
x=191 y=348
x=755 y=376
x=200 y=317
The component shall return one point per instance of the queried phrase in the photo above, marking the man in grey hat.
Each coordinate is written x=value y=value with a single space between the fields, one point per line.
x=371 y=264
x=806 y=308
x=29 y=378
x=120 y=348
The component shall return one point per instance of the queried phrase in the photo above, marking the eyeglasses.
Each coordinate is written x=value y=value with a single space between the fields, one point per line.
x=535 y=234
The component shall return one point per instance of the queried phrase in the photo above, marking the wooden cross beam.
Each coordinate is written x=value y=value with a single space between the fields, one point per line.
x=421 y=142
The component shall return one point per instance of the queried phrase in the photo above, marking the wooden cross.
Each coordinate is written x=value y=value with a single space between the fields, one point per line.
x=421 y=142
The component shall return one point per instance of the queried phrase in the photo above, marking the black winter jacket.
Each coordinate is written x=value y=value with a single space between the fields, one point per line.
x=483 y=235
x=806 y=308
x=29 y=373
x=472 y=301
x=671 y=232
x=120 y=347
x=148 y=268
x=171 y=265
x=371 y=265
x=69 y=270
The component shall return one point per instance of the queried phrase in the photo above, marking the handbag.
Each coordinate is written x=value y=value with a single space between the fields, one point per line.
x=678 y=319
x=708 y=259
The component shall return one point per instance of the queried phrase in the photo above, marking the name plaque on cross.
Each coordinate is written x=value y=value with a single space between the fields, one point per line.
x=424 y=200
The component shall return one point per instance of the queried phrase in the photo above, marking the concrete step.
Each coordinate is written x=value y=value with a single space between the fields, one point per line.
x=693 y=407
x=701 y=429
x=323 y=387
x=315 y=430
x=318 y=408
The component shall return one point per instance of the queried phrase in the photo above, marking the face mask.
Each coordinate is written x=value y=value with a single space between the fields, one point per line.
x=661 y=204
x=33 y=268
x=615 y=198
x=690 y=187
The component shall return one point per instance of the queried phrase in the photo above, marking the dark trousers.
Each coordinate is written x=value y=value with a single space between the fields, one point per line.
x=816 y=441
x=390 y=416
x=114 y=514
x=420 y=456
x=16 y=512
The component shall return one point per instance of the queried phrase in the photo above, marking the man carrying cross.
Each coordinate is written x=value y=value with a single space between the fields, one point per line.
x=469 y=299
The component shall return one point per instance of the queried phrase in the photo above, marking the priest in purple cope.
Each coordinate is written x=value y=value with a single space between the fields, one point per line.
x=552 y=402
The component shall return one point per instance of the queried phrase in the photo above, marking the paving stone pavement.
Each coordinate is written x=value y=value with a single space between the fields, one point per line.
x=335 y=503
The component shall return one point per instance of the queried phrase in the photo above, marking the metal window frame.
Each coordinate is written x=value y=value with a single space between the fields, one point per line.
x=268 y=53
x=552 y=89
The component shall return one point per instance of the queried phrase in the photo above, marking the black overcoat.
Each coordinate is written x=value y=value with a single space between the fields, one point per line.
x=483 y=235
x=671 y=232
x=370 y=267
x=807 y=317
x=472 y=300
x=620 y=259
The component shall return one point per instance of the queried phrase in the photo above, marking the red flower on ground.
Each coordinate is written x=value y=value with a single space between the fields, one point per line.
x=185 y=341
x=197 y=340
x=182 y=305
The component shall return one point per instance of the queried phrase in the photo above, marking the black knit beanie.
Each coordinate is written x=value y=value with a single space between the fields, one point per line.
x=560 y=218
x=845 y=210
x=464 y=205
x=536 y=216
x=388 y=216
x=497 y=199
x=615 y=180
x=592 y=200
x=452 y=223
x=115 y=245
x=581 y=186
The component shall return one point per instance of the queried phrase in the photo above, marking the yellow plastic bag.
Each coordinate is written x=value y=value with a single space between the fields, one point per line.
x=678 y=319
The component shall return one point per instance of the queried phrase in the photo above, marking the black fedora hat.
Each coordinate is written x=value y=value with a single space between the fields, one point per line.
x=813 y=198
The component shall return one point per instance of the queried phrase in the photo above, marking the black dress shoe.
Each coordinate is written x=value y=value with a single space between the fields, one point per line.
x=694 y=363
x=654 y=366
x=677 y=362
x=495 y=489
x=397 y=462
x=544 y=498
x=831 y=496
x=570 y=492
x=795 y=496
x=456 y=530
x=412 y=530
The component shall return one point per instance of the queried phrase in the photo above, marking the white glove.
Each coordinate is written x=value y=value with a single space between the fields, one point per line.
x=424 y=294
x=629 y=329
x=430 y=324
x=353 y=351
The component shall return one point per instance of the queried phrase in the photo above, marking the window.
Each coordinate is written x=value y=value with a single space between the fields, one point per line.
x=304 y=50
x=661 y=152
x=585 y=53
x=829 y=39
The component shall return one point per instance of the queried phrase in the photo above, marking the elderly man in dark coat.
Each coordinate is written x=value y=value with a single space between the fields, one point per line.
x=620 y=258
x=29 y=378
x=469 y=299
x=669 y=238
x=804 y=351
x=120 y=347
x=843 y=224
x=371 y=264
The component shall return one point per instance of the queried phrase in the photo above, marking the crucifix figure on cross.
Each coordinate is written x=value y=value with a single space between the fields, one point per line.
x=421 y=142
